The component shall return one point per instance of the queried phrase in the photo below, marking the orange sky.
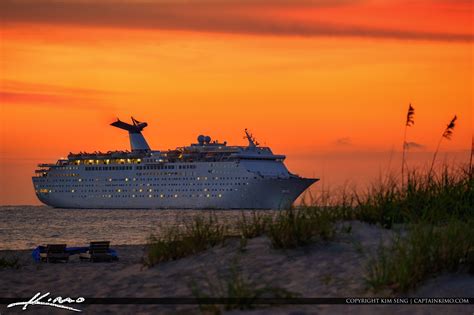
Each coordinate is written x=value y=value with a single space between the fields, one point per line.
x=311 y=79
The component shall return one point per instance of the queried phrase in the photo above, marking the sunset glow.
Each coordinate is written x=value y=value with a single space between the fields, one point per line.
x=307 y=77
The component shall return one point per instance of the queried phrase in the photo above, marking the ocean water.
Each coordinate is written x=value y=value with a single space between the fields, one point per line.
x=25 y=227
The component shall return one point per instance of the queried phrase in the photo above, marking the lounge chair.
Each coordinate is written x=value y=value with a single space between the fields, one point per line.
x=98 y=251
x=55 y=253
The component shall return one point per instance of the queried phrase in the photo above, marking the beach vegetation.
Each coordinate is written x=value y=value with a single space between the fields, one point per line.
x=447 y=133
x=299 y=227
x=180 y=241
x=254 y=225
x=433 y=197
x=425 y=251
x=408 y=123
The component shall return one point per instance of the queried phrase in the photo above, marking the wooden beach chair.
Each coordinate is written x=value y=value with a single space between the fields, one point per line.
x=55 y=253
x=98 y=251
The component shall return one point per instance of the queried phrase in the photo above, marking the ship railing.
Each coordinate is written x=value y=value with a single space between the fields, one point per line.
x=104 y=155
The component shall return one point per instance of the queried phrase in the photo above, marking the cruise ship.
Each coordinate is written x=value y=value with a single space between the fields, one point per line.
x=204 y=175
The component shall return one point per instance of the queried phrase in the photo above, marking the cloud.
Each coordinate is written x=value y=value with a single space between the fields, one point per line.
x=234 y=16
x=18 y=93
x=345 y=141
x=414 y=145
x=29 y=98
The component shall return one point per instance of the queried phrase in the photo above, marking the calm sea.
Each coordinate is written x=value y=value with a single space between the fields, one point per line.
x=25 y=227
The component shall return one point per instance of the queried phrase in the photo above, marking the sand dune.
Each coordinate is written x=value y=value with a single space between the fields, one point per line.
x=334 y=269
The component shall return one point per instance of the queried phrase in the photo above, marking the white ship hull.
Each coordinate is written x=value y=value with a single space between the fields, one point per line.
x=225 y=185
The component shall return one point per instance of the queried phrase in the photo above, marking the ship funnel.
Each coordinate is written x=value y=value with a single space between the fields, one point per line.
x=137 y=141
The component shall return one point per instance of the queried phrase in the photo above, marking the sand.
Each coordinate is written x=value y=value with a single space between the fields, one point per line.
x=334 y=269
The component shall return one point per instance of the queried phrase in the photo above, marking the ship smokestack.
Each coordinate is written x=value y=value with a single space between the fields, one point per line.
x=137 y=141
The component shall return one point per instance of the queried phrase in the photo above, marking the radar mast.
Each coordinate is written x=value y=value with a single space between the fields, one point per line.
x=251 y=139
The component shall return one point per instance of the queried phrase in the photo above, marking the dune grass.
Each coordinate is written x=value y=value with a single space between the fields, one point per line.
x=432 y=198
x=178 y=242
x=293 y=228
x=254 y=225
x=425 y=251
x=289 y=228
x=435 y=208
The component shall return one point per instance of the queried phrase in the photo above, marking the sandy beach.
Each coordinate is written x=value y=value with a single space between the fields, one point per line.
x=334 y=269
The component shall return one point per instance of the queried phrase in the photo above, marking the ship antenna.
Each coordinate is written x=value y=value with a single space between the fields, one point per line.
x=252 y=142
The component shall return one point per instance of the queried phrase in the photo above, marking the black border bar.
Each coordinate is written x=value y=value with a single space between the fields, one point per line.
x=265 y=301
